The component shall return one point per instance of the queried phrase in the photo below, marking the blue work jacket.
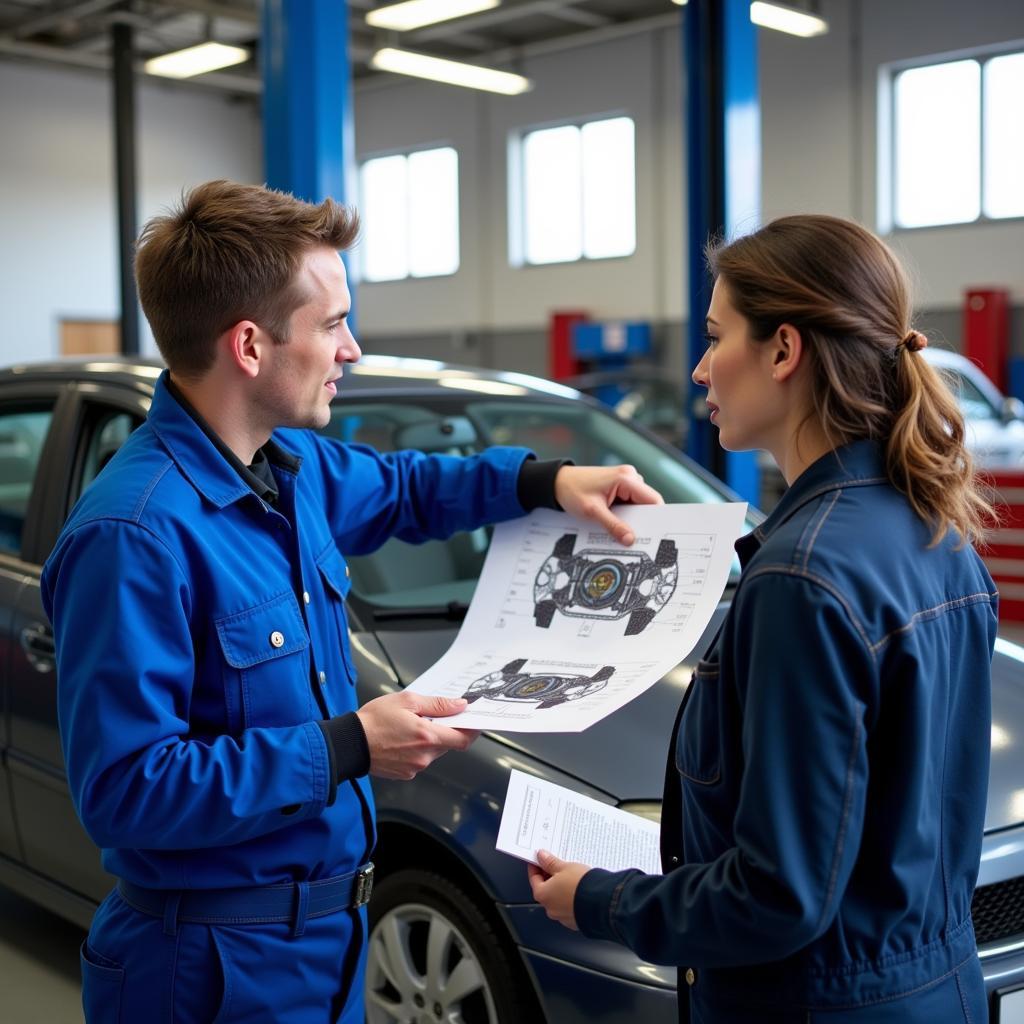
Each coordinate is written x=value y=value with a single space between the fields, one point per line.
x=201 y=633
x=830 y=767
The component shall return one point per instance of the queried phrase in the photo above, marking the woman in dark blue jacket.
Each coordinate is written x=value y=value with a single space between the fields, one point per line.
x=824 y=807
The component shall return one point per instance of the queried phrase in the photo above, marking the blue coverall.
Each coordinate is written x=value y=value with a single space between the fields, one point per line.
x=825 y=797
x=201 y=634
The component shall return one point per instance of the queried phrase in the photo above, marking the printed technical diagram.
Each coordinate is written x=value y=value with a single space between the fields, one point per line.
x=598 y=583
x=513 y=684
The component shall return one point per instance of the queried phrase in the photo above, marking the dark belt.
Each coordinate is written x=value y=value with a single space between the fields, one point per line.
x=292 y=902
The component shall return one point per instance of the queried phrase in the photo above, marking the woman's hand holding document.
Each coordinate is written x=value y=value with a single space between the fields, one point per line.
x=566 y=833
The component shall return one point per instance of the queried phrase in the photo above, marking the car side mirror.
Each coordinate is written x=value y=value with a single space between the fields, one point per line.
x=1012 y=409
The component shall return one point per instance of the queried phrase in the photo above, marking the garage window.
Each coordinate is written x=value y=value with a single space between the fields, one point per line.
x=957 y=141
x=573 y=192
x=409 y=204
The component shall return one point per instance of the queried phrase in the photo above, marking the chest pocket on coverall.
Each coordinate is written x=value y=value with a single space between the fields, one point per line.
x=698 y=744
x=337 y=586
x=267 y=646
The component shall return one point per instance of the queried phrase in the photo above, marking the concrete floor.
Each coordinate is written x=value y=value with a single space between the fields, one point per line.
x=39 y=975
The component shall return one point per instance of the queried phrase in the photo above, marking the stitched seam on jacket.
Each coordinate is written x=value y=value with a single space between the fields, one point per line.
x=150 y=487
x=934 y=611
x=811 y=577
x=613 y=906
x=824 y=489
x=825 y=513
x=855 y=967
x=942 y=821
x=963 y=997
x=843 y=821
x=896 y=995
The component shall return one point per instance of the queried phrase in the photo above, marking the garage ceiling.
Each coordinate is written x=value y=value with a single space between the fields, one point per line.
x=78 y=32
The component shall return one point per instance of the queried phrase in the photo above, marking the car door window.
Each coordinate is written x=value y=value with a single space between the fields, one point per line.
x=109 y=430
x=22 y=433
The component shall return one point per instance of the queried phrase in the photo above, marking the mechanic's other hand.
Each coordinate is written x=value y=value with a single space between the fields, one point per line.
x=589 y=492
x=402 y=738
x=554 y=886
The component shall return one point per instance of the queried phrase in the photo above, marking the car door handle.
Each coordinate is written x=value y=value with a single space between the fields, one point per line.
x=37 y=643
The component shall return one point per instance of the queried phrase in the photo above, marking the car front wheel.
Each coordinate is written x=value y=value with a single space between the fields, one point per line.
x=434 y=956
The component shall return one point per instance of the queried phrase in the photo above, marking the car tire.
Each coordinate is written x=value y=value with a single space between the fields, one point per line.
x=478 y=979
x=564 y=546
x=639 y=621
x=666 y=554
x=543 y=613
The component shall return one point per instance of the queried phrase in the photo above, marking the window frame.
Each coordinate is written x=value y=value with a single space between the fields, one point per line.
x=886 y=136
x=405 y=152
x=516 y=192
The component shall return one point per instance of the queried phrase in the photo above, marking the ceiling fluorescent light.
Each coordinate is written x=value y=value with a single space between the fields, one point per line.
x=452 y=72
x=416 y=13
x=679 y=3
x=196 y=60
x=784 y=18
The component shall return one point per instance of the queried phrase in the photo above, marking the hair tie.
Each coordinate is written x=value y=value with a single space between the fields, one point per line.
x=915 y=341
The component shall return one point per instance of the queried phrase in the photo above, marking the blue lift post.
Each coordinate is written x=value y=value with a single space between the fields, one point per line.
x=723 y=159
x=308 y=123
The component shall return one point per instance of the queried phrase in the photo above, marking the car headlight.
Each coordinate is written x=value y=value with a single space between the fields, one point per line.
x=649 y=809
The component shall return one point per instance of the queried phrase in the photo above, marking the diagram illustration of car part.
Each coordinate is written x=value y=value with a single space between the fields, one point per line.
x=513 y=684
x=605 y=584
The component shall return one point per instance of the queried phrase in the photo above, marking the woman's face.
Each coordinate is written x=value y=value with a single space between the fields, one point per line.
x=737 y=371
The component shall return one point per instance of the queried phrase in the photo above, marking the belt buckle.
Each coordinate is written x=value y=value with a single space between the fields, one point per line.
x=363 y=886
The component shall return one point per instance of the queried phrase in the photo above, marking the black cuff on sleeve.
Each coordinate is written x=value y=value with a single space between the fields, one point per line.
x=535 y=487
x=347 y=749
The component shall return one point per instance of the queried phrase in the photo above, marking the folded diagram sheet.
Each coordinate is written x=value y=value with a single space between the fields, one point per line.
x=539 y=815
x=567 y=625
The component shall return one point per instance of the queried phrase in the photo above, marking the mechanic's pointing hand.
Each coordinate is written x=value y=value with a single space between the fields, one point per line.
x=402 y=738
x=588 y=492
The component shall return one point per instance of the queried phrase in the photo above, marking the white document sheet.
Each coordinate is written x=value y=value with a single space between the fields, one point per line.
x=567 y=625
x=539 y=815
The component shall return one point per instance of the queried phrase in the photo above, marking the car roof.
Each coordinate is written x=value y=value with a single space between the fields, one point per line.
x=373 y=373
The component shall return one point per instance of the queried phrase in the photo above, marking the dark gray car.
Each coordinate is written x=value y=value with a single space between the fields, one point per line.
x=455 y=935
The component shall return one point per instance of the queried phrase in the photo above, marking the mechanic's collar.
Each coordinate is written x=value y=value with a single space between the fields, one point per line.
x=859 y=464
x=211 y=467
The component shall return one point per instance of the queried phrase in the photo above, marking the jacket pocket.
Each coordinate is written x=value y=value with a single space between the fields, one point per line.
x=337 y=585
x=102 y=981
x=268 y=647
x=698 y=744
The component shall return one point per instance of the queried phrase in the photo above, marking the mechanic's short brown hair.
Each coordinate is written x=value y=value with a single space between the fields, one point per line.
x=229 y=252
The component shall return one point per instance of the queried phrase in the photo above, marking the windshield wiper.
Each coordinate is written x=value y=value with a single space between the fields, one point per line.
x=453 y=611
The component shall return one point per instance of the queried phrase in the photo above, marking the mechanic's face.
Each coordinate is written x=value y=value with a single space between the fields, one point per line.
x=302 y=374
x=737 y=371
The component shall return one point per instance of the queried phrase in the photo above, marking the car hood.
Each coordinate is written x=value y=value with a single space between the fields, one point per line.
x=1006 y=778
x=624 y=755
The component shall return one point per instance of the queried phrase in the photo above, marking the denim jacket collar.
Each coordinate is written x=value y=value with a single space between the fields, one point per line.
x=858 y=464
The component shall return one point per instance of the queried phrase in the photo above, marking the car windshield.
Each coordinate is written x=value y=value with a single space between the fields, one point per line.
x=973 y=404
x=442 y=575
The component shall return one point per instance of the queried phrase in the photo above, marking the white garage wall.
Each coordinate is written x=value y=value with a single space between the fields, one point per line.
x=58 y=243
x=819 y=123
x=638 y=76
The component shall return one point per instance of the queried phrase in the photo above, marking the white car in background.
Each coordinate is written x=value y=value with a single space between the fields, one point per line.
x=995 y=423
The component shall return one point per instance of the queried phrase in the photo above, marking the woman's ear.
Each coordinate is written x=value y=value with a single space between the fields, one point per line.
x=785 y=351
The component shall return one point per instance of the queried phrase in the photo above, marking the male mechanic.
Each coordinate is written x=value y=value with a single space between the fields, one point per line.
x=214 y=748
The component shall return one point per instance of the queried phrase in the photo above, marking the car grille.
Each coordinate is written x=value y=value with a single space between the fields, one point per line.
x=998 y=910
